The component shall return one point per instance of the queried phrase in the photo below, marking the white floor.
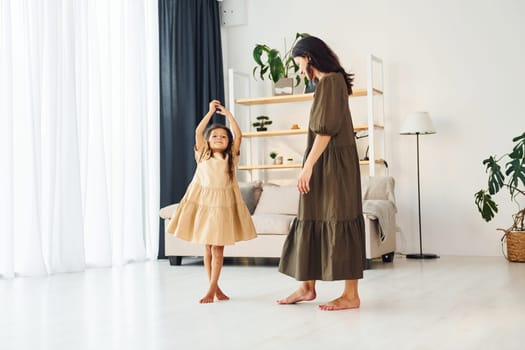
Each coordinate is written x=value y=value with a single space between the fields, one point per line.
x=449 y=303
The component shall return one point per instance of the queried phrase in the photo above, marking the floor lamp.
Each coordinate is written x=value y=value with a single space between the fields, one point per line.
x=418 y=123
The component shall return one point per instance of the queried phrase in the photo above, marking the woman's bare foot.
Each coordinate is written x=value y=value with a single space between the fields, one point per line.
x=300 y=294
x=209 y=297
x=219 y=295
x=341 y=303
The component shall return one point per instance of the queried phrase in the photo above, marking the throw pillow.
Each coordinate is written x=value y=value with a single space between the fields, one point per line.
x=251 y=192
x=278 y=200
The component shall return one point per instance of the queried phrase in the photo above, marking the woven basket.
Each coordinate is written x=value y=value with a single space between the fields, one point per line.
x=515 y=242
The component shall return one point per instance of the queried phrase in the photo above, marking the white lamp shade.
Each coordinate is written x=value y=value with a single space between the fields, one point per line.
x=417 y=123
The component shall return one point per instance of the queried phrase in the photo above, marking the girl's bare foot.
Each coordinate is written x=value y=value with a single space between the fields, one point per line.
x=341 y=303
x=300 y=294
x=219 y=294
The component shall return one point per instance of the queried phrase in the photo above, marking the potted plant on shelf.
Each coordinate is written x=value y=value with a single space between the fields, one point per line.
x=277 y=67
x=273 y=155
x=261 y=123
x=514 y=181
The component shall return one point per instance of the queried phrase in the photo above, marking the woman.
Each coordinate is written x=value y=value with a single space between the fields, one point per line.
x=327 y=240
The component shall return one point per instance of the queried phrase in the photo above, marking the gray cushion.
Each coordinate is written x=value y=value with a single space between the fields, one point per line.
x=251 y=192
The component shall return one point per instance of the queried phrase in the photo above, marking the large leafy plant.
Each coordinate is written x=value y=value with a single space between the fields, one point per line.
x=273 y=65
x=513 y=179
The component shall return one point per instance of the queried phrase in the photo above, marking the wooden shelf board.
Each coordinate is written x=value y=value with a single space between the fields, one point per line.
x=269 y=166
x=275 y=133
x=292 y=166
x=366 y=162
x=293 y=98
x=274 y=99
x=362 y=127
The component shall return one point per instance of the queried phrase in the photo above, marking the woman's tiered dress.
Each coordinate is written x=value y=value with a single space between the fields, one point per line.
x=212 y=210
x=327 y=240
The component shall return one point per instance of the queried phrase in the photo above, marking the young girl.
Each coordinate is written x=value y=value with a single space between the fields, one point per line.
x=212 y=211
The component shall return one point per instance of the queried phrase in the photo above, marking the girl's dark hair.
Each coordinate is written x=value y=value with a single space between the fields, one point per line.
x=322 y=58
x=228 y=151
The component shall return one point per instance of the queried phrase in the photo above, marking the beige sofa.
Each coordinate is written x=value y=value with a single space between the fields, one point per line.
x=273 y=209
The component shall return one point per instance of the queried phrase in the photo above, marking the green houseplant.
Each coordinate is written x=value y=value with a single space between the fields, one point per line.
x=273 y=155
x=271 y=64
x=261 y=123
x=513 y=180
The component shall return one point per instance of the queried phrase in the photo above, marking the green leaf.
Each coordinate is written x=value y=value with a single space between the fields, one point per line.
x=521 y=137
x=297 y=80
x=518 y=151
x=257 y=54
x=306 y=81
x=263 y=72
x=516 y=171
x=515 y=167
x=486 y=206
x=276 y=66
x=496 y=178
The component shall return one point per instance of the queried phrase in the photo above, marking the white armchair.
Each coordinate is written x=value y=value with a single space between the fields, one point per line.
x=379 y=208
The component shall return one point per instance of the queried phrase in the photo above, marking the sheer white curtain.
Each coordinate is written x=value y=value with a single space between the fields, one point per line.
x=79 y=134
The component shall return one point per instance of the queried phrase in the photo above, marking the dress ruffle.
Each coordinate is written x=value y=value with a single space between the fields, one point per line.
x=324 y=250
x=216 y=216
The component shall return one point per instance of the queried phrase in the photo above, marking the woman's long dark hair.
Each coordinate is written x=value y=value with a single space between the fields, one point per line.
x=322 y=58
x=228 y=151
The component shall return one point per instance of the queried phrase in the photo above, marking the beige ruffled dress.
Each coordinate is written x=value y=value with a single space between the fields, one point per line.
x=212 y=210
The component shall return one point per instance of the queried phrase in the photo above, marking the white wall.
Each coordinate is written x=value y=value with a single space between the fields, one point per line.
x=463 y=61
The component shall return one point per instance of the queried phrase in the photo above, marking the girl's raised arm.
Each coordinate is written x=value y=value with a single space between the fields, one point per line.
x=236 y=130
x=199 y=131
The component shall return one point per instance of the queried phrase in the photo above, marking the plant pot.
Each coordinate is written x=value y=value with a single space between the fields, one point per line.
x=515 y=242
x=262 y=129
x=283 y=86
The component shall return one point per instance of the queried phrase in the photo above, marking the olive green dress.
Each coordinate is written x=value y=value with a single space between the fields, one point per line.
x=327 y=240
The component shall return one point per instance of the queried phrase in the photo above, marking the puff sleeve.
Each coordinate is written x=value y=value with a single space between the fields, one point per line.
x=326 y=114
x=201 y=154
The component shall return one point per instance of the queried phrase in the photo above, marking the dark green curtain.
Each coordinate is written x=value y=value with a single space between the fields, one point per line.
x=191 y=75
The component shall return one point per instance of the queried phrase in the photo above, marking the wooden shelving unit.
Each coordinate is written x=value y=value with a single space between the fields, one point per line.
x=371 y=93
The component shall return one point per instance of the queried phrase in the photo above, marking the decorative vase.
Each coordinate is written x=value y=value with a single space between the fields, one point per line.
x=283 y=86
